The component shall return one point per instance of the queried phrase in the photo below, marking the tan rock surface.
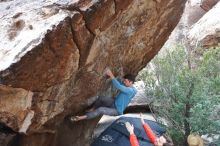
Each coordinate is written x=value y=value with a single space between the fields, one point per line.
x=198 y=26
x=206 y=32
x=208 y=4
x=15 y=104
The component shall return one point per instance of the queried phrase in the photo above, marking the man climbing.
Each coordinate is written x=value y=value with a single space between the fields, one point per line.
x=112 y=106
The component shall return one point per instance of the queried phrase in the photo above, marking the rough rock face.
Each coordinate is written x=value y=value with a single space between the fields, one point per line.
x=53 y=55
x=15 y=108
x=208 y=4
x=206 y=32
x=192 y=13
x=199 y=25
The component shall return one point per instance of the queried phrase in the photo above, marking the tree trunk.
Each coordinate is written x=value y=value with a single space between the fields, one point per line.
x=187 y=114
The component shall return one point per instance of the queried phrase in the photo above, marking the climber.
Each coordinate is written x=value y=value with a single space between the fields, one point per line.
x=109 y=105
x=161 y=141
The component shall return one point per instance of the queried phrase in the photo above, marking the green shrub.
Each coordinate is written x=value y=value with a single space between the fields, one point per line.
x=186 y=91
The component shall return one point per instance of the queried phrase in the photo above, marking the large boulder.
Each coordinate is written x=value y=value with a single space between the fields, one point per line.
x=206 y=32
x=53 y=54
x=199 y=25
x=192 y=14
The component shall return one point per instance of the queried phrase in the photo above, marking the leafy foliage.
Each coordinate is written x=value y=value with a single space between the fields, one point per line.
x=186 y=91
